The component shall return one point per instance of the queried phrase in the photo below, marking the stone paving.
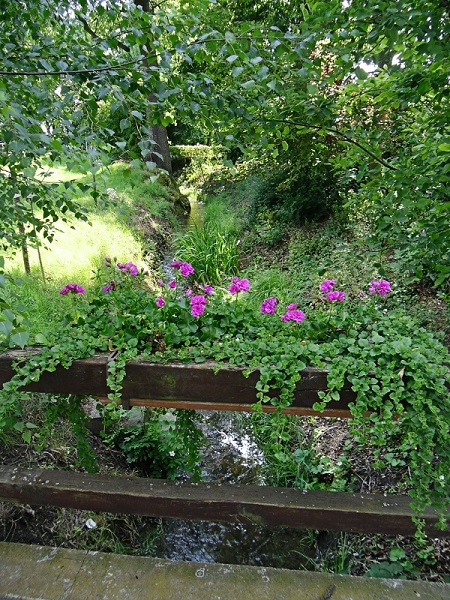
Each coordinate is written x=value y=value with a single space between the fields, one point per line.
x=44 y=573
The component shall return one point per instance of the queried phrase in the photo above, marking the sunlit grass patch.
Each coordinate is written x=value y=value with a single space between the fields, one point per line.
x=126 y=195
x=79 y=248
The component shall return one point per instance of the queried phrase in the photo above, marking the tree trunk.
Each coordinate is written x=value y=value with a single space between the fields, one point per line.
x=25 y=255
x=160 y=152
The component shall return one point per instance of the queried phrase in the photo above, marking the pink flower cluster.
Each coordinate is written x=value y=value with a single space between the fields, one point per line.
x=72 y=288
x=160 y=301
x=185 y=268
x=327 y=285
x=128 y=267
x=239 y=285
x=109 y=287
x=293 y=315
x=269 y=306
x=381 y=287
x=198 y=305
x=332 y=295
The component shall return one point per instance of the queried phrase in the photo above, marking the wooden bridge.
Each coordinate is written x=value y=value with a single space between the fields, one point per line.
x=200 y=387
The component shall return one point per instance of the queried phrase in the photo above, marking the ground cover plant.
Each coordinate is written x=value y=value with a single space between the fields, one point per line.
x=398 y=370
x=130 y=315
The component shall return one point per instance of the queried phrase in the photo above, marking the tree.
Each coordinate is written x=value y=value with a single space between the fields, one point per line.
x=50 y=93
x=402 y=109
x=257 y=83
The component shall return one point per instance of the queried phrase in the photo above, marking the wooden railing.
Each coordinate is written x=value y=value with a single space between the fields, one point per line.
x=198 y=386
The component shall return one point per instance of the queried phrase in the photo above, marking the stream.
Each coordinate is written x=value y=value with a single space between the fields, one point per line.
x=230 y=456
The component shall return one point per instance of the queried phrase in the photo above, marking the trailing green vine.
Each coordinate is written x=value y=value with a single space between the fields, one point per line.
x=400 y=372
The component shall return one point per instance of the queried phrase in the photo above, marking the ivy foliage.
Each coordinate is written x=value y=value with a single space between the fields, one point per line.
x=399 y=371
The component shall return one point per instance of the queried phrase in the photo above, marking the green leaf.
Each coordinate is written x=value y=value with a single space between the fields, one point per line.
x=124 y=124
x=9 y=315
x=361 y=73
x=45 y=64
x=20 y=339
x=6 y=328
x=41 y=339
x=249 y=85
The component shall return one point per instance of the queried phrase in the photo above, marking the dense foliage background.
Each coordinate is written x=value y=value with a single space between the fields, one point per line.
x=341 y=103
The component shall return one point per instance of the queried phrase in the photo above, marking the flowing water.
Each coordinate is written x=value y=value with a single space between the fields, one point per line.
x=230 y=456
x=195 y=218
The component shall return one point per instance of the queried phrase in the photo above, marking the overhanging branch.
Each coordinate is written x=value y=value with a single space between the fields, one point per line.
x=118 y=67
x=338 y=134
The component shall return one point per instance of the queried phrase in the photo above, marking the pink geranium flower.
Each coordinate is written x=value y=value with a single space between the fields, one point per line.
x=293 y=315
x=333 y=296
x=72 y=288
x=381 y=287
x=327 y=285
x=239 y=285
x=128 y=267
x=269 y=306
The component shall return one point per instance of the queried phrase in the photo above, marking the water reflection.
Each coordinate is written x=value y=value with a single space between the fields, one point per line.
x=231 y=456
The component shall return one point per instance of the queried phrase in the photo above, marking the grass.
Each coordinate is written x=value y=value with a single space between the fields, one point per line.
x=213 y=247
x=292 y=262
x=213 y=254
x=79 y=248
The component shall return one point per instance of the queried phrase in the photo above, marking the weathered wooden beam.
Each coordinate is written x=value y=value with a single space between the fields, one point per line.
x=287 y=507
x=177 y=385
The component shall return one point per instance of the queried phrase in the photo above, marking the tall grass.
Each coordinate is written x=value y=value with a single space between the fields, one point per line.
x=213 y=254
x=219 y=214
x=212 y=248
x=272 y=282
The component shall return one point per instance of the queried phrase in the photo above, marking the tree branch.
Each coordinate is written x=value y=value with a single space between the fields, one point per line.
x=95 y=35
x=74 y=72
x=337 y=133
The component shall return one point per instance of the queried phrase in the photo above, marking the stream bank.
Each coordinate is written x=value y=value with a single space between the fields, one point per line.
x=213 y=541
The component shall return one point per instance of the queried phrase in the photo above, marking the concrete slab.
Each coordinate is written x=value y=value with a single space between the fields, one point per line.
x=43 y=573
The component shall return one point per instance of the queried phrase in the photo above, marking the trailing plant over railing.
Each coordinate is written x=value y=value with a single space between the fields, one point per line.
x=399 y=371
